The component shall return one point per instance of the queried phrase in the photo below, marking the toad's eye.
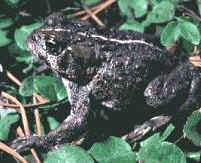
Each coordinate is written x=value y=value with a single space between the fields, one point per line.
x=53 y=47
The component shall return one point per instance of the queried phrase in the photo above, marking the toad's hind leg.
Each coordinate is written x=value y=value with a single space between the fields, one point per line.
x=181 y=88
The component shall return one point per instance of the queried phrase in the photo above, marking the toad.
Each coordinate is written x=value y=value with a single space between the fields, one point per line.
x=108 y=72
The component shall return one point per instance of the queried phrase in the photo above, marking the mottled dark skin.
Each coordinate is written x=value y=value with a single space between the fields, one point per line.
x=182 y=85
x=108 y=69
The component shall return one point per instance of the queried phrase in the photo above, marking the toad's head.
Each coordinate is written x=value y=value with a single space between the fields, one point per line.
x=63 y=46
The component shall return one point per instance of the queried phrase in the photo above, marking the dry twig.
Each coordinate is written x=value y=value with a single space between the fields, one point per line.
x=93 y=11
x=9 y=150
x=196 y=60
x=101 y=7
x=98 y=21
x=25 y=105
x=22 y=111
x=24 y=120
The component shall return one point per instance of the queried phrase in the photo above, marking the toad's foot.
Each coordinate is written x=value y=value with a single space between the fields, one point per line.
x=23 y=143
x=152 y=124
x=70 y=129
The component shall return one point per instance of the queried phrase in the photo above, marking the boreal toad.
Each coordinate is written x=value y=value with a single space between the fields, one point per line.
x=108 y=70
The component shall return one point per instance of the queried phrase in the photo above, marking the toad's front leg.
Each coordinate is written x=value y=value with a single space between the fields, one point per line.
x=70 y=129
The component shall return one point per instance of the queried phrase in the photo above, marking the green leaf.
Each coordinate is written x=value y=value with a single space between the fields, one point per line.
x=190 y=32
x=69 y=153
x=19 y=54
x=155 y=2
x=139 y=7
x=28 y=69
x=134 y=25
x=6 y=121
x=190 y=128
x=53 y=123
x=175 y=2
x=113 y=150
x=129 y=157
x=27 y=87
x=25 y=57
x=49 y=87
x=22 y=34
x=161 y=13
x=167 y=132
x=188 y=47
x=154 y=149
x=91 y=2
x=170 y=34
x=44 y=85
x=4 y=39
x=5 y=23
x=154 y=139
x=161 y=152
x=124 y=7
x=13 y=3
